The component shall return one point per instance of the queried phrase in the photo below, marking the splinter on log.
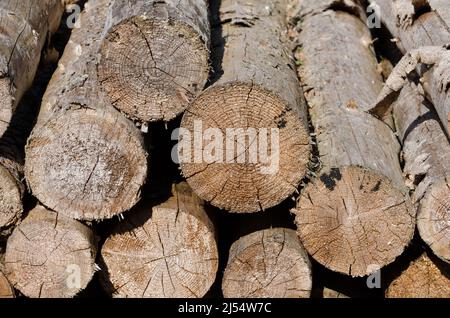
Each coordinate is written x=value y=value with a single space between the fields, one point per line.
x=25 y=26
x=6 y=291
x=423 y=23
x=426 y=153
x=435 y=81
x=356 y=216
x=166 y=251
x=155 y=56
x=251 y=141
x=422 y=279
x=50 y=256
x=84 y=159
x=268 y=264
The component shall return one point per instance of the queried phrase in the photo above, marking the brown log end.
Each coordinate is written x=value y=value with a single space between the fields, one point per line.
x=87 y=164
x=153 y=68
x=6 y=291
x=247 y=174
x=50 y=256
x=433 y=219
x=422 y=279
x=168 y=251
x=268 y=264
x=11 y=207
x=354 y=221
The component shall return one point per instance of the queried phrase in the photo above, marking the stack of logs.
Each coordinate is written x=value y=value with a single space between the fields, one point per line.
x=362 y=148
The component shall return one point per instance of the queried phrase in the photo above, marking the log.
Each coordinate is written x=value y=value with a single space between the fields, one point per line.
x=259 y=148
x=426 y=154
x=163 y=251
x=268 y=264
x=427 y=23
x=355 y=217
x=6 y=291
x=422 y=279
x=155 y=56
x=436 y=81
x=50 y=256
x=25 y=28
x=84 y=159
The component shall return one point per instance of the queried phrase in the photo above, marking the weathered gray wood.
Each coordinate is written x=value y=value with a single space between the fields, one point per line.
x=355 y=216
x=435 y=81
x=154 y=58
x=426 y=153
x=255 y=88
x=25 y=26
x=413 y=31
x=84 y=158
x=168 y=250
x=268 y=264
x=50 y=256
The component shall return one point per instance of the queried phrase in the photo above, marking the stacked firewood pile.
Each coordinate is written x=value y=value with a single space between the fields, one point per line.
x=235 y=148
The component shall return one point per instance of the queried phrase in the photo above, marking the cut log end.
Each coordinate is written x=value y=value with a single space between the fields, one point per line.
x=253 y=157
x=268 y=264
x=168 y=252
x=354 y=221
x=434 y=218
x=6 y=291
x=11 y=207
x=152 y=69
x=87 y=164
x=422 y=279
x=50 y=256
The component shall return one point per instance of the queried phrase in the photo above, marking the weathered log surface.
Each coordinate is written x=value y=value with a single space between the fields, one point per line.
x=356 y=216
x=435 y=81
x=268 y=264
x=50 y=256
x=84 y=158
x=168 y=250
x=427 y=23
x=155 y=56
x=422 y=279
x=426 y=154
x=25 y=27
x=256 y=89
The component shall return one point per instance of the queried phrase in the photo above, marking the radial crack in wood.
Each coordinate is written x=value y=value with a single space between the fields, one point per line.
x=260 y=149
x=50 y=256
x=268 y=264
x=355 y=217
x=155 y=56
x=166 y=251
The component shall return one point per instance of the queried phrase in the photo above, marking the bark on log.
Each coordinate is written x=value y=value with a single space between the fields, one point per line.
x=258 y=96
x=6 y=291
x=425 y=24
x=25 y=28
x=50 y=256
x=155 y=56
x=422 y=279
x=268 y=264
x=84 y=158
x=166 y=251
x=426 y=153
x=355 y=216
